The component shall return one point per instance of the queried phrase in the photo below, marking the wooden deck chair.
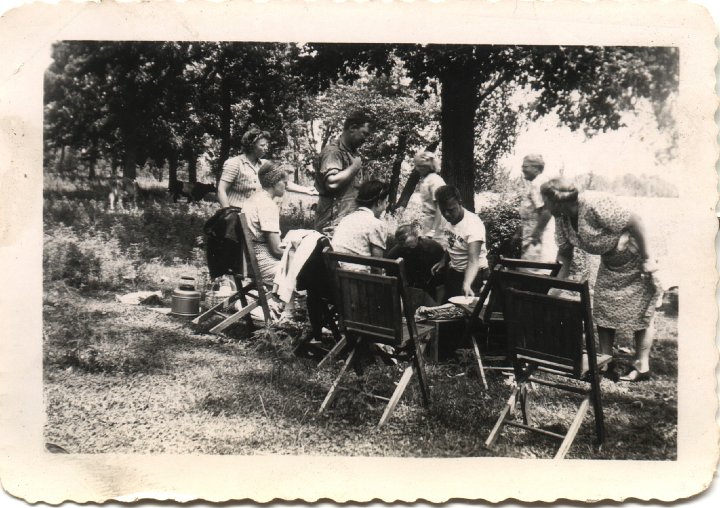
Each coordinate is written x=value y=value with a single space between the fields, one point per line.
x=551 y=339
x=226 y=309
x=486 y=317
x=375 y=309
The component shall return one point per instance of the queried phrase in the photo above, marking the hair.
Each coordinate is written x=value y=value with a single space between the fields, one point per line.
x=357 y=119
x=426 y=158
x=252 y=136
x=446 y=193
x=372 y=192
x=405 y=230
x=559 y=190
x=270 y=173
x=535 y=159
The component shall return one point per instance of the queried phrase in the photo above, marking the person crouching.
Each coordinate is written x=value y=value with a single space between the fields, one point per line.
x=465 y=259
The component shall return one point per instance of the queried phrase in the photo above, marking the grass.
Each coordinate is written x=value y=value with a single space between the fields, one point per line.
x=127 y=379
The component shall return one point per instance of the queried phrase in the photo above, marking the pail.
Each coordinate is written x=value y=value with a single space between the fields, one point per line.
x=185 y=299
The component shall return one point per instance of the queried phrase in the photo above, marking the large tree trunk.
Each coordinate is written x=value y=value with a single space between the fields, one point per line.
x=192 y=167
x=396 y=167
x=457 y=118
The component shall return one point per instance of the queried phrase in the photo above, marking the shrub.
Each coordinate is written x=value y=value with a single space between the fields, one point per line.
x=296 y=216
x=501 y=217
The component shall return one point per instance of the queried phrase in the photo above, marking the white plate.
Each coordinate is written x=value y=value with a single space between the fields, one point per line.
x=463 y=300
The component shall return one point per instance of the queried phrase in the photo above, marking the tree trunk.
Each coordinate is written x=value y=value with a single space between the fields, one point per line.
x=396 y=167
x=61 y=160
x=172 y=170
x=225 y=119
x=192 y=166
x=457 y=118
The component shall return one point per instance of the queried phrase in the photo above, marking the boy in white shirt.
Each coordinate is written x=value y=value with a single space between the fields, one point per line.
x=465 y=258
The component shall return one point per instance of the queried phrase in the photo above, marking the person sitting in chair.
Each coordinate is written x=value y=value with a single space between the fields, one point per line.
x=362 y=232
x=465 y=260
x=263 y=218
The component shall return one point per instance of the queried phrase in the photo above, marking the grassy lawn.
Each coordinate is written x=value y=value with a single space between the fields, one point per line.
x=127 y=379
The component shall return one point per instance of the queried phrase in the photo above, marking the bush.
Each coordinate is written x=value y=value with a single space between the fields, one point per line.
x=501 y=217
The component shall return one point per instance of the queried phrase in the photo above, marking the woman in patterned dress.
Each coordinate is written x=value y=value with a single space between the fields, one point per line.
x=625 y=291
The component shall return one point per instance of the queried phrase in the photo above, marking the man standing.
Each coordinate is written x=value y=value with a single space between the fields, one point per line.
x=533 y=215
x=340 y=174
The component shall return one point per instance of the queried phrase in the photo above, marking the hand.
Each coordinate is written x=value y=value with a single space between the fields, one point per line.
x=437 y=267
x=649 y=266
x=356 y=162
x=467 y=290
x=311 y=191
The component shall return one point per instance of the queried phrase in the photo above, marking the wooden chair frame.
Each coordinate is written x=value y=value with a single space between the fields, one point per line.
x=488 y=316
x=380 y=325
x=550 y=335
x=226 y=309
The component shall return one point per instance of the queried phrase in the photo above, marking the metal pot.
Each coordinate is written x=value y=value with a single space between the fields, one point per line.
x=185 y=299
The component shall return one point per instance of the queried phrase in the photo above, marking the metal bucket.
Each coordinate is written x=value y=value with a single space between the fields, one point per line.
x=185 y=299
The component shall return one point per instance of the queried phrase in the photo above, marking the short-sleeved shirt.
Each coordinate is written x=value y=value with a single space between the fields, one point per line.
x=601 y=221
x=460 y=236
x=334 y=204
x=263 y=216
x=530 y=204
x=241 y=174
x=358 y=231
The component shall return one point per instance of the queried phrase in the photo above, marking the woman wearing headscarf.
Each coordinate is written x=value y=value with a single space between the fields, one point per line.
x=625 y=290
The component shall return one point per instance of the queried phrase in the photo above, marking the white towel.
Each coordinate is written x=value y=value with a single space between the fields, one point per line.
x=299 y=244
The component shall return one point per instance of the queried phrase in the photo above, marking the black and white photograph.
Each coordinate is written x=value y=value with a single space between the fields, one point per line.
x=353 y=250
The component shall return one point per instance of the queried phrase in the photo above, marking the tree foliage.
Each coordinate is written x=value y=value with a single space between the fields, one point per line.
x=169 y=102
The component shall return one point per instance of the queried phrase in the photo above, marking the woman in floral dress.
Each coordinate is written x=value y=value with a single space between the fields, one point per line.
x=625 y=290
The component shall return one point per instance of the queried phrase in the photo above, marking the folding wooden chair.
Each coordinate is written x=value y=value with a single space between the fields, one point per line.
x=551 y=339
x=486 y=317
x=375 y=309
x=226 y=309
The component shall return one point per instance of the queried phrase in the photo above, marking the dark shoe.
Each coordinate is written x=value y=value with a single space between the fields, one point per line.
x=610 y=372
x=635 y=375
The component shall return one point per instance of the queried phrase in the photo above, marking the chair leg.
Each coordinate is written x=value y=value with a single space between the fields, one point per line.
x=574 y=427
x=397 y=394
x=509 y=405
x=478 y=358
x=523 y=399
x=419 y=362
x=333 y=352
x=598 y=410
x=333 y=389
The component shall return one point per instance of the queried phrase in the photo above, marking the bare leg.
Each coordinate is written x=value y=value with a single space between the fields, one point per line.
x=643 y=345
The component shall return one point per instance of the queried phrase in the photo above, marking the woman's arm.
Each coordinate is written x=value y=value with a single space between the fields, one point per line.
x=293 y=187
x=440 y=264
x=273 y=242
x=565 y=257
x=223 y=187
x=637 y=231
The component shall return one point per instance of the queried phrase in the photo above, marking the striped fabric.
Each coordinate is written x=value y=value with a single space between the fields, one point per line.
x=242 y=175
